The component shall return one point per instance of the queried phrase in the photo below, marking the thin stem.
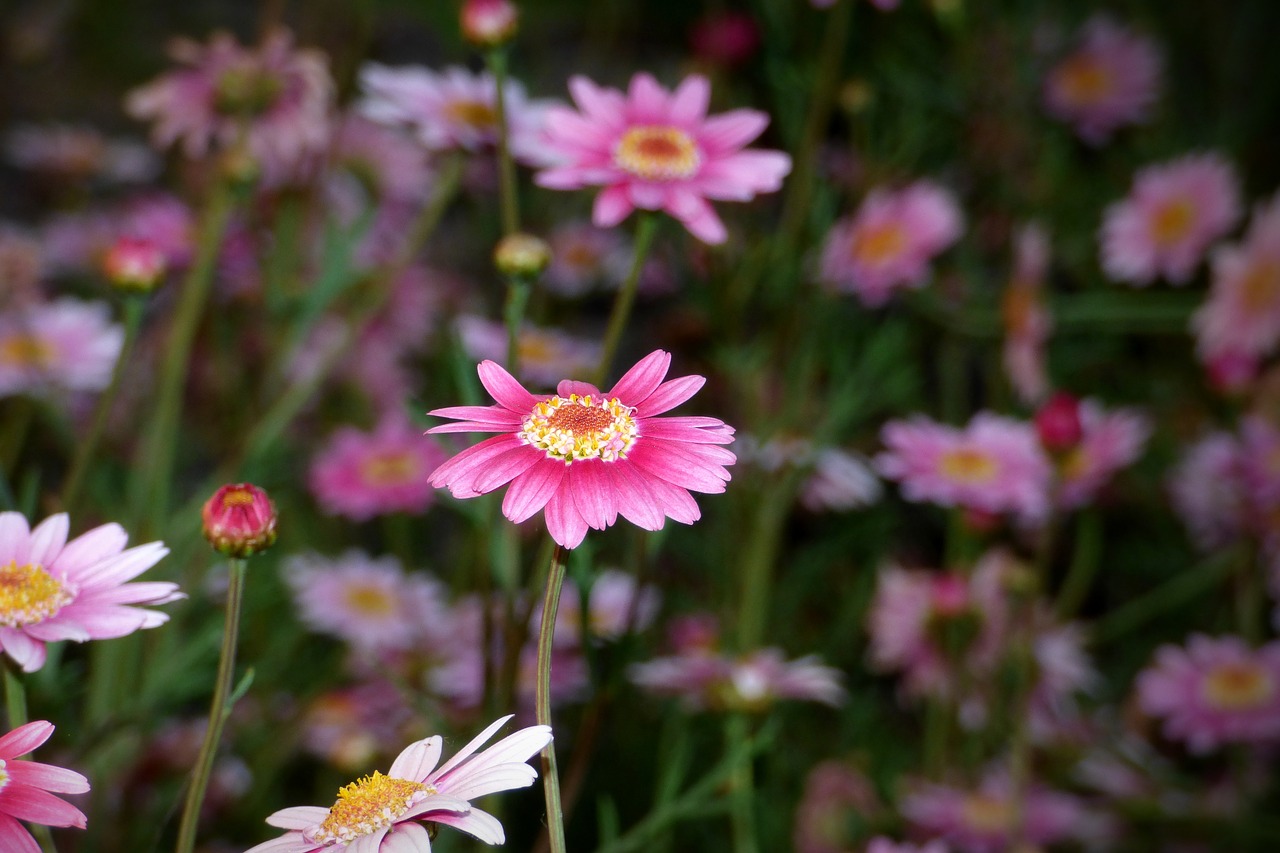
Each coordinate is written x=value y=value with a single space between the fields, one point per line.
x=510 y=201
x=513 y=315
x=546 y=634
x=742 y=798
x=15 y=698
x=1187 y=586
x=759 y=558
x=1084 y=564
x=626 y=295
x=218 y=711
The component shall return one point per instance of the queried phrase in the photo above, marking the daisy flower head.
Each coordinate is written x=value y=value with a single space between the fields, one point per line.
x=752 y=682
x=1208 y=491
x=657 y=150
x=399 y=812
x=1214 y=691
x=889 y=242
x=27 y=788
x=52 y=589
x=1242 y=312
x=840 y=481
x=62 y=345
x=981 y=820
x=1109 y=442
x=1171 y=216
x=361 y=475
x=616 y=605
x=1111 y=79
x=588 y=456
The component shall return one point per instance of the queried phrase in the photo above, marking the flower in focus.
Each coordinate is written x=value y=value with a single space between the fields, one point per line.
x=545 y=354
x=386 y=814
x=995 y=464
x=361 y=475
x=1027 y=321
x=1214 y=691
x=890 y=241
x=52 y=589
x=239 y=520
x=588 y=456
x=1109 y=442
x=657 y=150
x=749 y=682
x=1241 y=315
x=1111 y=79
x=27 y=788
x=66 y=344
x=1174 y=212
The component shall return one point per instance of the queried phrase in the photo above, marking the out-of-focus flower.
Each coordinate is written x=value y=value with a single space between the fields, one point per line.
x=615 y=606
x=361 y=475
x=352 y=726
x=79 y=153
x=239 y=520
x=840 y=481
x=836 y=795
x=275 y=97
x=880 y=844
x=882 y=5
x=134 y=265
x=751 y=682
x=1242 y=312
x=981 y=820
x=390 y=166
x=65 y=344
x=888 y=244
x=1059 y=423
x=489 y=23
x=1207 y=490
x=387 y=813
x=455 y=109
x=1109 y=442
x=583 y=256
x=1111 y=79
x=52 y=589
x=521 y=255
x=78 y=242
x=1214 y=691
x=27 y=788
x=995 y=464
x=725 y=38
x=21 y=266
x=545 y=354
x=588 y=456
x=1171 y=216
x=1027 y=321
x=657 y=150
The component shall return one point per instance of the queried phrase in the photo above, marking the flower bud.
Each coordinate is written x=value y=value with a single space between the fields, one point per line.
x=134 y=265
x=489 y=23
x=1058 y=423
x=521 y=255
x=239 y=520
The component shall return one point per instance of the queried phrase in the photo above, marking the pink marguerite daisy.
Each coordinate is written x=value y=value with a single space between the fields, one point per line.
x=588 y=456
x=361 y=475
x=66 y=345
x=27 y=789
x=981 y=820
x=1242 y=312
x=1174 y=212
x=1110 y=441
x=657 y=150
x=52 y=589
x=397 y=813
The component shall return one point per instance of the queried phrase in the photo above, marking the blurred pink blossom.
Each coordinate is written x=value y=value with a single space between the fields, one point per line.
x=62 y=345
x=361 y=475
x=1025 y=312
x=1242 y=312
x=1111 y=440
x=754 y=681
x=981 y=819
x=545 y=354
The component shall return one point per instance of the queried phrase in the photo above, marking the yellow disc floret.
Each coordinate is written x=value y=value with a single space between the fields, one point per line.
x=576 y=427
x=29 y=594
x=657 y=153
x=368 y=805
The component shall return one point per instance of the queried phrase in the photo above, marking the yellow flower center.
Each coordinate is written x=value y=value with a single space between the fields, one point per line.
x=1260 y=289
x=474 y=114
x=29 y=594
x=237 y=497
x=1239 y=687
x=878 y=243
x=391 y=469
x=657 y=153
x=4 y=776
x=246 y=89
x=987 y=813
x=1171 y=221
x=577 y=428
x=1084 y=80
x=25 y=351
x=968 y=465
x=368 y=805
x=370 y=600
x=537 y=348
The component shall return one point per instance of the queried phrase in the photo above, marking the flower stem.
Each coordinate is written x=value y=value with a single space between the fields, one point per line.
x=742 y=798
x=513 y=315
x=1084 y=564
x=626 y=295
x=546 y=633
x=497 y=59
x=218 y=711
x=15 y=698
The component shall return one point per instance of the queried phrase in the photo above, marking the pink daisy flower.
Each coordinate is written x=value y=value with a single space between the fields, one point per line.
x=981 y=820
x=388 y=164
x=583 y=256
x=615 y=607
x=397 y=813
x=657 y=150
x=52 y=589
x=890 y=241
x=545 y=354
x=588 y=456
x=751 y=682
x=351 y=726
x=66 y=344
x=840 y=481
x=1110 y=80
x=1173 y=213
x=361 y=475
x=27 y=788
x=1242 y=311
x=1110 y=441
x=995 y=464
x=1027 y=321
x=1214 y=691
x=79 y=153
x=1208 y=491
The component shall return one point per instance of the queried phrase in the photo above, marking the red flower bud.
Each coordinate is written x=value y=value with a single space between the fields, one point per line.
x=1058 y=423
x=489 y=23
x=134 y=264
x=239 y=520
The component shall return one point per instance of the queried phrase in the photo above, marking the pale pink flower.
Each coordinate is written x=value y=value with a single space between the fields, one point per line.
x=615 y=607
x=837 y=796
x=587 y=456
x=840 y=481
x=545 y=354
x=1025 y=312
x=65 y=344
x=386 y=814
x=351 y=726
x=275 y=96
x=390 y=166
x=1214 y=691
x=1110 y=441
x=58 y=590
x=361 y=475
x=27 y=789
x=995 y=464
x=77 y=242
x=79 y=153
x=22 y=265
x=880 y=844
x=1111 y=79
x=751 y=682
x=1242 y=311
x=888 y=244
x=583 y=256
x=1173 y=213
x=1208 y=491
x=455 y=109
x=657 y=150
x=981 y=820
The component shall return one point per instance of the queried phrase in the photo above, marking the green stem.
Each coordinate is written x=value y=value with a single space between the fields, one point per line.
x=218 y=711
x=542 y=700
x=757 y=571
x=497 y=59
x=742 y=798
x=15 y=698
x=626 y=295
x=1084 y=564
x=134 y=305
x=513 y=315
x=1248 y=596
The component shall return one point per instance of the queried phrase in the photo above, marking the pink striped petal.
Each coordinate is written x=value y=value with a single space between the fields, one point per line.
x=659 y=428
x=471 y=426
x=474 y=744
x=48 y=539
x=14 y=837
x=697 y=215
x=573 y=386
x=564 y=523
x=591 y=493
x=38 y=806
x=145 y=592
x=299 y=817
x=504 y=388
x=407 y=838
x=727 y=132
x=478 y=823
x=480 y=414
x=669 y=395
x=676 y=502
x=464 y=465
x=612 y=205
x=89 y=548
x=530 y=492
x=632 y=496
x=25 y=739
x=417 y=760
x=687 y=472
x=506 y=468
x=638 y=383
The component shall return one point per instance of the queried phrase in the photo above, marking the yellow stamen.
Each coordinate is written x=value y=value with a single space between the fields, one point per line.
x=657 y=153
x=29 y=594
x=391 y=469
x=1171 y=221
x=1239 y=687
x=368 y=805
x=968 y=465
x=987 y=813
x=1260 y=287
x=1084 y=80
x=879 y=243
x=475 y=114
x=370 y=601
x=25 y=351
x=577 y=427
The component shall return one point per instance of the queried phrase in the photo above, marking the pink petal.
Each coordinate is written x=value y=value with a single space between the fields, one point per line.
x=472 y=426
x=683 y=470
x=646 y=100
x=407 y=837
x=530 y=492
x=601 y=103
x=506 y=468
x=119 y=569
x=417 y=760
x=573 y=386
x=632 y=496
x=290 y=842
x=367 y=843
x=564 y=523
x=483 y=414
x=56 y=779
x=47 y=539
x=612 y=205
x=14 y=537
x=642 y=379
x=659 y=428
x=38 y=806
x=591 y=494
x=88 y=548
x=478 y=823
x=647 y=196
x=14 y=837
x=146 y=592
x=299 y=817
x=698 y=216
x=465 y=465
x=474 y=744
x=727 y=132
x=27 y=652
x=25 y=739
x=106 y=622
x=55 y=631
x=676 y=503
x=504 y=388
x=689 y=101
x=669 y=395
x=436 y=804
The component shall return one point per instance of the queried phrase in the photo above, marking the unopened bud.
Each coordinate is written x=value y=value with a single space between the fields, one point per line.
x=239 y=520
x=489 y=23
x=134 y=265
x=1058 y=423
x=521 y=255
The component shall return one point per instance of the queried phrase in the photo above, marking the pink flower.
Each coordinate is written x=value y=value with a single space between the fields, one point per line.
x=588 y=456
x=583 y=255
x=1214 y=691
x=880 y=844
x=840 y=481
x=981 y=820
x=1027 y=321
x=890 y=241
x=725 y=38
x=385 y=814
x=350 y=726
x=1174 y=212
x=388 y=164
x=658 y=150
x=615 y=607
x=52 y=589
x=79 y=153
x=750 y=682
x=995 y=464
x=488 y=23
x=27 y=788
x=1207 y=490
x=545 y=354
x=1242 y=312
x=66 y=344
x=361 y=475
x=837 y=796
x=1110 y=441
x=1112 y=79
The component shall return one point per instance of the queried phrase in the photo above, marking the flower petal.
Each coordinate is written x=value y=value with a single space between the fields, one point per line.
x=407 y=837
x=47 y=539
x=458 y=473
x=89 y=548
x=529 y=492
x=642 y=379
x=505 y=388
x=15 y=537
x=478 y=823
x=299 y=817
x=669 y=395
x=25 y=739
x=689 y=101
x=26 y=651
x=591 y=493
x=573 y=386
x=632 y=496
x=14 y=837
x=26 y=803
x=417 y=760
x=564 y=523
x=612 y=205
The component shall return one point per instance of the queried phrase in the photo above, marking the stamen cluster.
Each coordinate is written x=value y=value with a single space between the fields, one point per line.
x=29 y=594
x=367 y=805
x=575 y=428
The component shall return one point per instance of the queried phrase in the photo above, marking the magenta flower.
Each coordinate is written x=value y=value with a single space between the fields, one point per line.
x=586 y=456
x=1242 y=312
x=361 y=475
x=657 y=150
x=52 y=589
x=397 y=813
x=982 y=820
x=63 y=345
x=27 y=788
x=1110 y=441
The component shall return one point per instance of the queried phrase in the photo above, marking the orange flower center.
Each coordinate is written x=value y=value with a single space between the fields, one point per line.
x=1260 y=287
x=577 y=427
x=969 y=465
x=1084 y=80
x=370 y=601
x=25 y=351
x=878 y=243
x=1239 y=687
x=1171 y=221
x=391 y=469
x=657 y=153
x=368 y=805
x=987 y=813
x=474 y=114
x=29 y=594
x=237 y=497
